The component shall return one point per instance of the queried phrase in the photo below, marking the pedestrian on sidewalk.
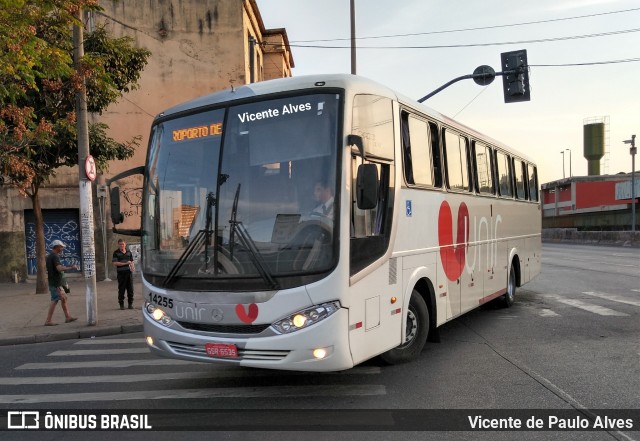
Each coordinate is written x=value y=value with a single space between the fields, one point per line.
x=123 y=261
x=56 y=280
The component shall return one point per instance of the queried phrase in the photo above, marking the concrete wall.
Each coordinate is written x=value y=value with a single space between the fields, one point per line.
x=572 y=235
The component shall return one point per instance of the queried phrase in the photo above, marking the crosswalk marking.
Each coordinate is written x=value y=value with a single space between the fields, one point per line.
x=110 y=341
x=547 y=313
x=613 y=298
x=108 y=364
x=137 y=378
x=100 y=352
x=225 y=392
x=596 y=309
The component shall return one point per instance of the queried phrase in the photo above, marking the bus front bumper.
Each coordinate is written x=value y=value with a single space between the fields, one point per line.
x=323 y=346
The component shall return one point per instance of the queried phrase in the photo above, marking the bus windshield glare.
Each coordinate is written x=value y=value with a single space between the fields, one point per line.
x=242 y=197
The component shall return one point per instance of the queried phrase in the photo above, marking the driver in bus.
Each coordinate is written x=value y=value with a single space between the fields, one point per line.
x=323 y=195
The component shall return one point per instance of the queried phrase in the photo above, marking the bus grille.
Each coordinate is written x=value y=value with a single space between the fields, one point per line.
x=225 y=329
x=243 y=354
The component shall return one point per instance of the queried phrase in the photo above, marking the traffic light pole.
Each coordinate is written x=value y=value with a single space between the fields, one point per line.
x=515 y=77
x=483 y=78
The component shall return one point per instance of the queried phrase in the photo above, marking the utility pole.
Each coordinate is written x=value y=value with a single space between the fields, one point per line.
x=353 y=37
x=87 y=173
x=632 y=151
x=562 y=153
x=570 y=172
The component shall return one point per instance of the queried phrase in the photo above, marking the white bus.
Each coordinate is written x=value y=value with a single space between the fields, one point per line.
x=313 y=223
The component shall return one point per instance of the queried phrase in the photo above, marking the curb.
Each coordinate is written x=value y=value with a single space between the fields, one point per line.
x=85 y=333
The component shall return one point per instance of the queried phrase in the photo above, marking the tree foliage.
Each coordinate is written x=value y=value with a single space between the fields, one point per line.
x=38 y=83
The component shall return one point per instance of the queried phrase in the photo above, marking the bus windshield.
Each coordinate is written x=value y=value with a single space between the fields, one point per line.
x=242 y=197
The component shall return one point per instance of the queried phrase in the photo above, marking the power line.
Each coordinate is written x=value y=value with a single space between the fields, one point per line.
x=448 y=31
x=592 y=63
x=452 y=46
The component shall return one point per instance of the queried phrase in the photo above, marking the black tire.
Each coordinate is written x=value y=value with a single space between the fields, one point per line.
x=509 y=297
x=416 y=333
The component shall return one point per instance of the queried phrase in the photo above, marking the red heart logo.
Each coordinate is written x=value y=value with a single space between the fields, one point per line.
x=247 y=317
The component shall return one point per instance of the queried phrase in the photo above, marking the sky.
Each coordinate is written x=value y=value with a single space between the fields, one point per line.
x=562 y=98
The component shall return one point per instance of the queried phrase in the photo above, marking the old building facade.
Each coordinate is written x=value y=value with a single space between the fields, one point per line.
x=197 y=47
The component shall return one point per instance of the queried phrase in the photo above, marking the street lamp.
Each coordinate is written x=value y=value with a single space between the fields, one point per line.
x=562 y=153
x=632 y=152
x=569 y=150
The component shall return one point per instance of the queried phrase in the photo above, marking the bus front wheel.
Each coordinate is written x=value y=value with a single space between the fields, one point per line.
x=415 y=335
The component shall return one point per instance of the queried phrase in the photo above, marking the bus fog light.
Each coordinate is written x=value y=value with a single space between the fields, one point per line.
x=305 y=318
x=149 y=340
x=320 y=353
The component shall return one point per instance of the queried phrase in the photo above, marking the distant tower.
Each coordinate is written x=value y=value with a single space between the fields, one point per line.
x=595 y=130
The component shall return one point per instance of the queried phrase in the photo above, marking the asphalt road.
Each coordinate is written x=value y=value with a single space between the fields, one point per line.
x=571 y=341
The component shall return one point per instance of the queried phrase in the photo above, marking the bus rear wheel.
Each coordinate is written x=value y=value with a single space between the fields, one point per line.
x=415 y=335
x=509 y=297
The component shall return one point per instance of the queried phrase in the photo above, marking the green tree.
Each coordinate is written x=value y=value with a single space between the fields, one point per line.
x=38 y=83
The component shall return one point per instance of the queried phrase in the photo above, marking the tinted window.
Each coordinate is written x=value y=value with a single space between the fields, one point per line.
x=420 y=151
x=533 y=183
x=518 y=168
x=483 y=162
x=456 y=154
x=504 y=174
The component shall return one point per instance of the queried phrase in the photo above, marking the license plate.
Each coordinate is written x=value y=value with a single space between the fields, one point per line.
x=221 y=350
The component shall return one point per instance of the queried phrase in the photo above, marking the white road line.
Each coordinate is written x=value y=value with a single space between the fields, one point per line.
x=547 y=313
x=110 y=341
x=613 y=298
x=100 y=352
x=107 y=364
x=137 y=378
x=179 y=394
x=600 y=310
x=636 y=290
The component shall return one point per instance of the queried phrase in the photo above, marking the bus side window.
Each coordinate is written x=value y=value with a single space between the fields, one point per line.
x=420 y=152
x=518 y=168
x=484 y=168
x=456 y=161
x=533 y=183
x=504 y=174
x=436 y=155
x=406 y=149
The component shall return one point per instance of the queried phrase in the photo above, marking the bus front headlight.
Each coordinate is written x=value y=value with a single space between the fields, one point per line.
x=158 y=314
x=305 y=318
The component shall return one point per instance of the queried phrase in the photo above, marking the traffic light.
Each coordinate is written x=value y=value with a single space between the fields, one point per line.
x=515 y=76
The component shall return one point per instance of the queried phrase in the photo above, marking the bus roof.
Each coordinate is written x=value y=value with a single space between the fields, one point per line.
x=355 y=84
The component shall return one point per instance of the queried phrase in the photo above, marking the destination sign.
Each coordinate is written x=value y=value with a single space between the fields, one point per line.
x=214 y=129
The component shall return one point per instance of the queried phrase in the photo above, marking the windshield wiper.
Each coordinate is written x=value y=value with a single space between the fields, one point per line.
x=247 y=242
x=202 y=238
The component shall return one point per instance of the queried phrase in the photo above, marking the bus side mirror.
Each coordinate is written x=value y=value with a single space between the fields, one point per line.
x=367 y=186
x=114 y=196
x=356 y=141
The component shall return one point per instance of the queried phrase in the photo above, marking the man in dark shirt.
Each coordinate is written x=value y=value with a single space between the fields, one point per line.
x=123 y=261
x=55 y=277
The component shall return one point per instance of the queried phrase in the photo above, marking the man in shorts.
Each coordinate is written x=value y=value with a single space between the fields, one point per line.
x=55 y=277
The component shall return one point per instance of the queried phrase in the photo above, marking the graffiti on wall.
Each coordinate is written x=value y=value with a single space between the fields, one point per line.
x=57 y=226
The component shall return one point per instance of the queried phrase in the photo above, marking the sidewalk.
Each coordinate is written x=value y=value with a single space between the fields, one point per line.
x=24 y=313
